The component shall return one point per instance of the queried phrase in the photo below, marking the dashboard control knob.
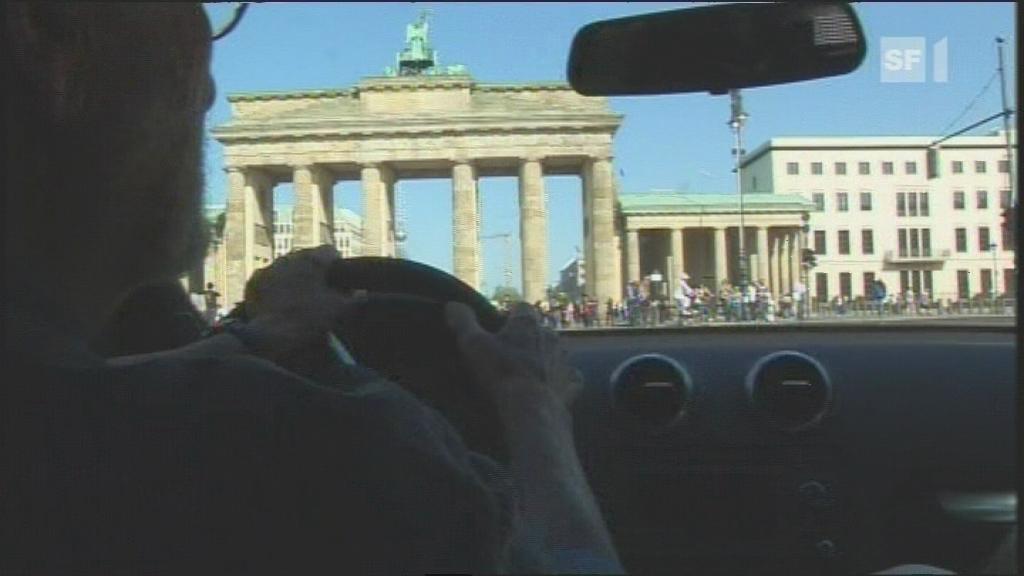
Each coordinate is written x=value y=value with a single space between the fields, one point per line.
x=815 y=494
x=826 y=548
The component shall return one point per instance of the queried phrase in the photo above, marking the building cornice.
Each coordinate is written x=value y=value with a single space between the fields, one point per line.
x=379 y=127
x=906 y=143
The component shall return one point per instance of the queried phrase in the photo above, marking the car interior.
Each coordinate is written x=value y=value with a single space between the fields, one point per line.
x=815 y=449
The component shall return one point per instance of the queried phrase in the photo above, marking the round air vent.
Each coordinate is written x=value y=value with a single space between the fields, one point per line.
x=653 y=389
x=790 y=390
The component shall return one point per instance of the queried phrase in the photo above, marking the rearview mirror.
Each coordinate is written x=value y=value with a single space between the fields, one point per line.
x=715 y=48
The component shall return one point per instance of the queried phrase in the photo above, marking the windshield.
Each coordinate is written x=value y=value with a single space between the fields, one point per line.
x=446 y=134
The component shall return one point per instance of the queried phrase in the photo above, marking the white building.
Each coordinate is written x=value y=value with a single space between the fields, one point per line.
x=348 y=239
x=348 y=232
x=879 y=215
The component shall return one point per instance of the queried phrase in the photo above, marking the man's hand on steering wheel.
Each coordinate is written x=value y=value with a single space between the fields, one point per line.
x=290 y=309
x=522 y=367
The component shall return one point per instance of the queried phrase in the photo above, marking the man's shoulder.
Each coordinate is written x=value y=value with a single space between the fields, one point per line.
x=233 y=382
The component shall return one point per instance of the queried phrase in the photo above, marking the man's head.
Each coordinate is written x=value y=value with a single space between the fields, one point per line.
x=104 y=113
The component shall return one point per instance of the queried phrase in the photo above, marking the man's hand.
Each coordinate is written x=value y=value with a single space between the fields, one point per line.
x=522 y=366
x=558 y=526
x=290 y=306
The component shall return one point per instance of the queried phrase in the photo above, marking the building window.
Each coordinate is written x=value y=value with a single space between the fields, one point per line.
x=980 y=167
x=792 y=168
x=926 y=242
x=958 y=167
x=1009 y=281
x=982 y=200
x=928 y=282
x=865 y=201
x=961 y=239
x=863 y=168
x=902 y=246
x=963 y=285
x=819 y=201
x=867 y=241
x=819 y=242
x=901 y=204
x=912 y=203
x=904 y=281
x=1004 y=199
x=1007 y=237
x=983 y=239
x=910 y=168
x=1003 y=166
x=887 y=168
x=924 y=203
x=846 y=285
x=840 y=168
x=844 y=242
x=821 y=286
x=986 y=281
x=816 y=168
x=915 y=242
x=842 y=202
x=958 y=200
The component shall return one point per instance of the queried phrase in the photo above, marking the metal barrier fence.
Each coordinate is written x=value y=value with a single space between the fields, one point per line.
x=669 y=315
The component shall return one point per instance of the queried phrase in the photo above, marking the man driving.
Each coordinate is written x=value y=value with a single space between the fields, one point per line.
x=220 y=457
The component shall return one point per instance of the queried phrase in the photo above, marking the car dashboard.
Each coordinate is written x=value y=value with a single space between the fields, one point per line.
x=810 y=449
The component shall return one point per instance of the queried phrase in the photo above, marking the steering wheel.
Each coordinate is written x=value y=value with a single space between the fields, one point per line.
x=399 y=330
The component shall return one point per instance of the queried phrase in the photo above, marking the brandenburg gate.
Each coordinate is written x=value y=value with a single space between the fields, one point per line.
x=419 y=121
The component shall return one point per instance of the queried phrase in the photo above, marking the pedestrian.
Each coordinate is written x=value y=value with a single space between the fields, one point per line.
x=212 y=304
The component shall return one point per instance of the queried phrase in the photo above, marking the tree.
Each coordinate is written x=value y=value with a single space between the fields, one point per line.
x=218 y=226
x=506 y=293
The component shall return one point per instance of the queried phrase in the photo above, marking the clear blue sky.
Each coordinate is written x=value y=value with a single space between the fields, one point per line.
x=678 y=142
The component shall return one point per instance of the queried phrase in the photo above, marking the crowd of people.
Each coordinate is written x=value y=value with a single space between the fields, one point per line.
x=642 y=306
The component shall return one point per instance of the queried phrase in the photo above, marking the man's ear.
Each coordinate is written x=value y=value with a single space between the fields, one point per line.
x=47 y=43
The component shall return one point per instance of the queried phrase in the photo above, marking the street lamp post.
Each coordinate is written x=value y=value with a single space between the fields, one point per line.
x=995 y=267
x=737 y=119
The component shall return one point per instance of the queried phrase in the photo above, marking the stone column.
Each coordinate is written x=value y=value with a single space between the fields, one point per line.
x=533 y=229
x=794 y=258
x=721 y=264
x=602 y=229
x=260 y=195
x=620 y=287
x=313 y=219
x=588 y=228
x=676 y=248
x=238 y=252
x=633 y=255
x=248 y=230
x=786 y=285
x=388 y=181
x=465 y=229
x=762 y=255
x=375 y=210
x=774 y=264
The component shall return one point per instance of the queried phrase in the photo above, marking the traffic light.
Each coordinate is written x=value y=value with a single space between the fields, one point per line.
x=809 y=258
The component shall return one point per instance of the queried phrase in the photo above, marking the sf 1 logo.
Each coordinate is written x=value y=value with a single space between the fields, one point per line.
x=904 y=59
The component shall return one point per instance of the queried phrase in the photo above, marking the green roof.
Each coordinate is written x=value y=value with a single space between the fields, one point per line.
x=680 y=203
